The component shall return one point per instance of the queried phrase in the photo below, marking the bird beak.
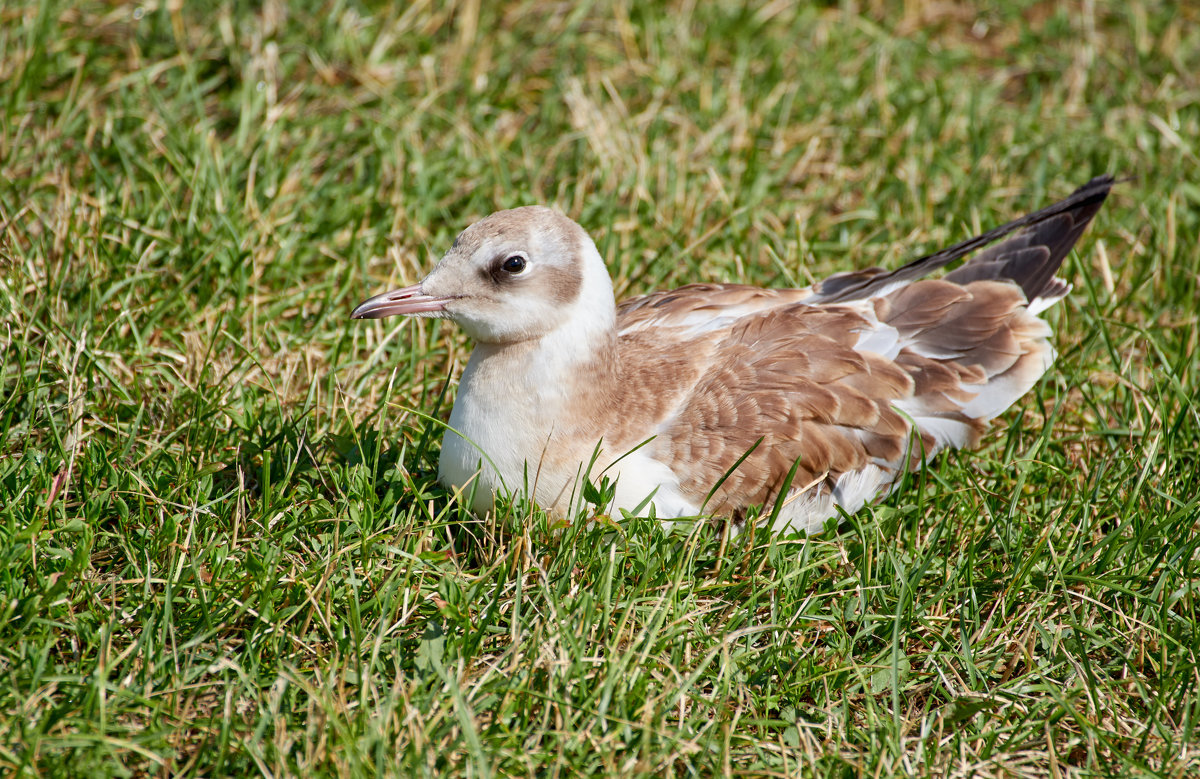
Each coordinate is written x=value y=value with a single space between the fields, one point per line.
x=410 y=300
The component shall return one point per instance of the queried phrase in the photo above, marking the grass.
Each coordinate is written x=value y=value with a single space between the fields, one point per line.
x=222 y=545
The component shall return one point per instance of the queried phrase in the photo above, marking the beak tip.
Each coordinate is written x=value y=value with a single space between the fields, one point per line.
x=365 y=311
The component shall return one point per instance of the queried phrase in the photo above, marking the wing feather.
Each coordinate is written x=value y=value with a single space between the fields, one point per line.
x=799 y=378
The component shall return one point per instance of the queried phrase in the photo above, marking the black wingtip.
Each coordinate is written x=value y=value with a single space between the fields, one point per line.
x=1032 y=255
x=1095 y=190
x=1052 y=230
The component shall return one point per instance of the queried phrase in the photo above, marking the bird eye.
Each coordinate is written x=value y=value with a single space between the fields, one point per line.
x=514 y=264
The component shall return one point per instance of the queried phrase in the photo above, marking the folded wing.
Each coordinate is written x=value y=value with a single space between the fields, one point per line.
x=864 y=375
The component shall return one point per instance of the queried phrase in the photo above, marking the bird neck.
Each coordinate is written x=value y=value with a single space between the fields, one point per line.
x=513 y=398
x=544 y=372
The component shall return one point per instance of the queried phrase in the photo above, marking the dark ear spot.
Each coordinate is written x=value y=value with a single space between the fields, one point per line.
x=560 y=285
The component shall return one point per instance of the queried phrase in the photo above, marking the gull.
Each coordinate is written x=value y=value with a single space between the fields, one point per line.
x=713 y=399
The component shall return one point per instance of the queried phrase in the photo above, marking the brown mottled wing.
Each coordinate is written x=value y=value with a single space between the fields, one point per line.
x=983 y=332
x=792 y=378
x=843 y=378
x=797 y=378
x=701 y=306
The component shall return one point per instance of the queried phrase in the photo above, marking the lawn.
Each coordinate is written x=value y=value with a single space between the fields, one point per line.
x=223 y=549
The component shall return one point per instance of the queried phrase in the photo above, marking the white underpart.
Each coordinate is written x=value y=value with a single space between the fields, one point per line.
x=642 y=480
x=855 y=488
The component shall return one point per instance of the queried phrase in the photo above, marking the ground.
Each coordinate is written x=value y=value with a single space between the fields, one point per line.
x=224 y=549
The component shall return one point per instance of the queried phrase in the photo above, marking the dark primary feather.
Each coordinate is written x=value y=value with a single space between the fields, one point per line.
x=1030 y=258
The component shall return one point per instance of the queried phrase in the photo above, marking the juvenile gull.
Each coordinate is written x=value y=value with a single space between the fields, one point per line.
x=851 y=380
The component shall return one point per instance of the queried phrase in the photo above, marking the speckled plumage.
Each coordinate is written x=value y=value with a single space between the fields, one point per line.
x=855 y=379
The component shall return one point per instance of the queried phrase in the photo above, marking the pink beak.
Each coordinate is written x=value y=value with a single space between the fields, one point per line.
x=410 y=300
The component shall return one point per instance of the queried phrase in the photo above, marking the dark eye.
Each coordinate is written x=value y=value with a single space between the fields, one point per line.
x=514 y=264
